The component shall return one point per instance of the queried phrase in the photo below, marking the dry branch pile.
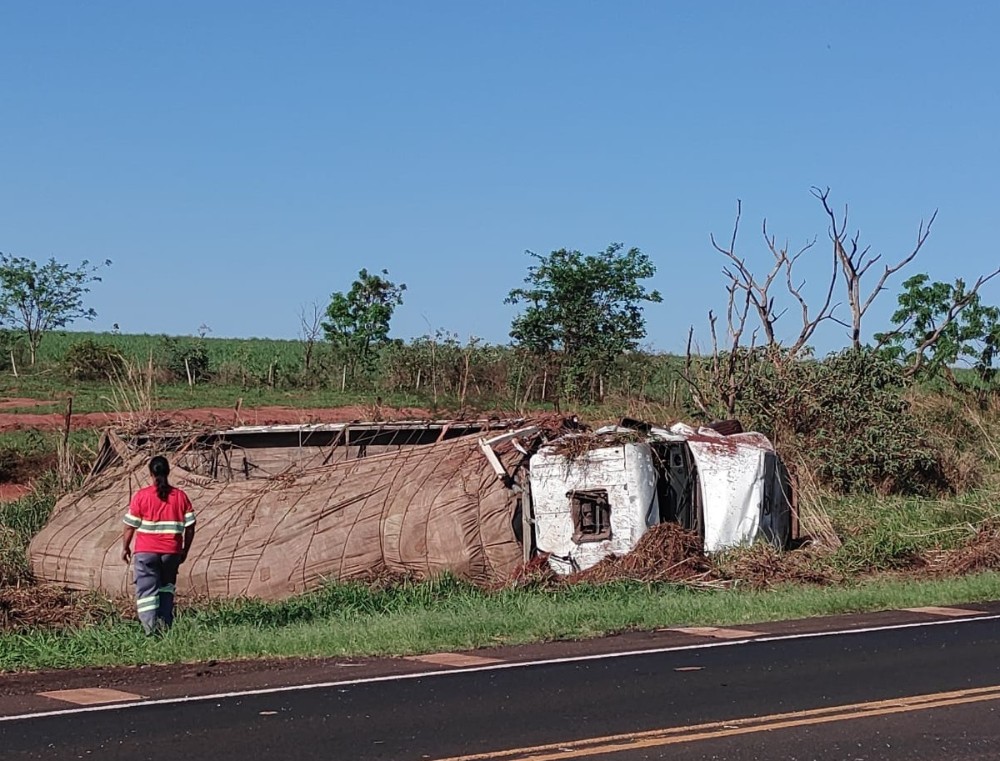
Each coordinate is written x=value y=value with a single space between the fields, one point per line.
x=668 y=553
x=762 y=566
x=46 y=606
x=980 y=553
x=665 y=553
x=576 y=447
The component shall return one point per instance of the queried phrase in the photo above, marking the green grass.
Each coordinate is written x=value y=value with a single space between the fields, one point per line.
x=28 y=442
x=351 y=620
x=415 y=373
x=48 y=383
x=886 y=533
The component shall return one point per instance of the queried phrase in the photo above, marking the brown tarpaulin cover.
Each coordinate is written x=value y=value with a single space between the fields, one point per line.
x=420 y=511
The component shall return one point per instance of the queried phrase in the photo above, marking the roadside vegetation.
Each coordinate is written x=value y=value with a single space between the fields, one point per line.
x=894 y=442
x=354 y=620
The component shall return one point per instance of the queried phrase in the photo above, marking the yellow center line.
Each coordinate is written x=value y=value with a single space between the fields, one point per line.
x=720 y=729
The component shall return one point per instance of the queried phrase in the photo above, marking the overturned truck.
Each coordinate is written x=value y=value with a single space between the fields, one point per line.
x=595 y=495
x=282 y=509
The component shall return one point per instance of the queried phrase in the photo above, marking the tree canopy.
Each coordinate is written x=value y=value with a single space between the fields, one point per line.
x=585 y=307
x=36 y=298
x=357 y=322
x=941 y=324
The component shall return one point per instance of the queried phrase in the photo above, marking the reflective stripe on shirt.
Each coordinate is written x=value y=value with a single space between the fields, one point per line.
x=160 y=527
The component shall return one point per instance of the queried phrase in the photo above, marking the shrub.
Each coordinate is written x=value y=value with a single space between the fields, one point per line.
x=186 y=360
x=845 y=418
x=90 y=360
x=864 y=433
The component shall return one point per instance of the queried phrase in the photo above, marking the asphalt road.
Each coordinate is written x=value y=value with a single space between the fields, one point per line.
x=915 y=693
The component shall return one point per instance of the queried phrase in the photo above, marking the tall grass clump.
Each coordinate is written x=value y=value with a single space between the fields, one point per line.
x=133 y=395
x=898 y=533
x=20 y=520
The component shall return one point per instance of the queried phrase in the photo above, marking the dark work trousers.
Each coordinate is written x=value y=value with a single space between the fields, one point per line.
x=155 y=584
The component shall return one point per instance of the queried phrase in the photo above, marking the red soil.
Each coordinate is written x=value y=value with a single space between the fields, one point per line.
x=10 y=492
x=221 y=416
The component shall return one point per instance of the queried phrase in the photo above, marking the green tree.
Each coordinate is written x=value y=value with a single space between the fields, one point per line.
x=36 y=298
x=587 y=309
x=941 y=324
x=357 y=322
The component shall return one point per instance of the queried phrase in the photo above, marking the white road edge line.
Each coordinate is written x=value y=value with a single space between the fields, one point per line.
x=492 y=667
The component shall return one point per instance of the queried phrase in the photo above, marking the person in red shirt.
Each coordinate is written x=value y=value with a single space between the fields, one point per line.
x=161 y=519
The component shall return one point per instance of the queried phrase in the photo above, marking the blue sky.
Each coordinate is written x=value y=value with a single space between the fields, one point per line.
x=240 y=160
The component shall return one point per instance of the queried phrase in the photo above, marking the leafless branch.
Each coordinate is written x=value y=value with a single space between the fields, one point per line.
x=784 y=261
x=887 y=338
x=741 y=278
x=310 y=329
x=697 y=396
x=855 y=263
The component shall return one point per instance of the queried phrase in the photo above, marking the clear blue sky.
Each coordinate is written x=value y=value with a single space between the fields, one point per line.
x=238 y=160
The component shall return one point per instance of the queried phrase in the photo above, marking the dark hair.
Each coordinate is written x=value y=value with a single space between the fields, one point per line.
x=159 y=468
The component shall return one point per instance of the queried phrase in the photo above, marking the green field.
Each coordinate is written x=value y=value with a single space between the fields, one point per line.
x=438 y=372
x=88 y=396
x=255 y=352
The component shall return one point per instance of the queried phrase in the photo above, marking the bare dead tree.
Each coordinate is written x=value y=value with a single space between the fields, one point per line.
x=855 y=262
x=723 y=377
x=826 y=310
x=722 y=382
x=741 y=278
x=310 y=330
x=729 y=369
x=758 y=291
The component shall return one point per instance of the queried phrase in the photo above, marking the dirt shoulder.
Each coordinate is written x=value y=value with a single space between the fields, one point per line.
x=221 y=416
x=15 y=485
